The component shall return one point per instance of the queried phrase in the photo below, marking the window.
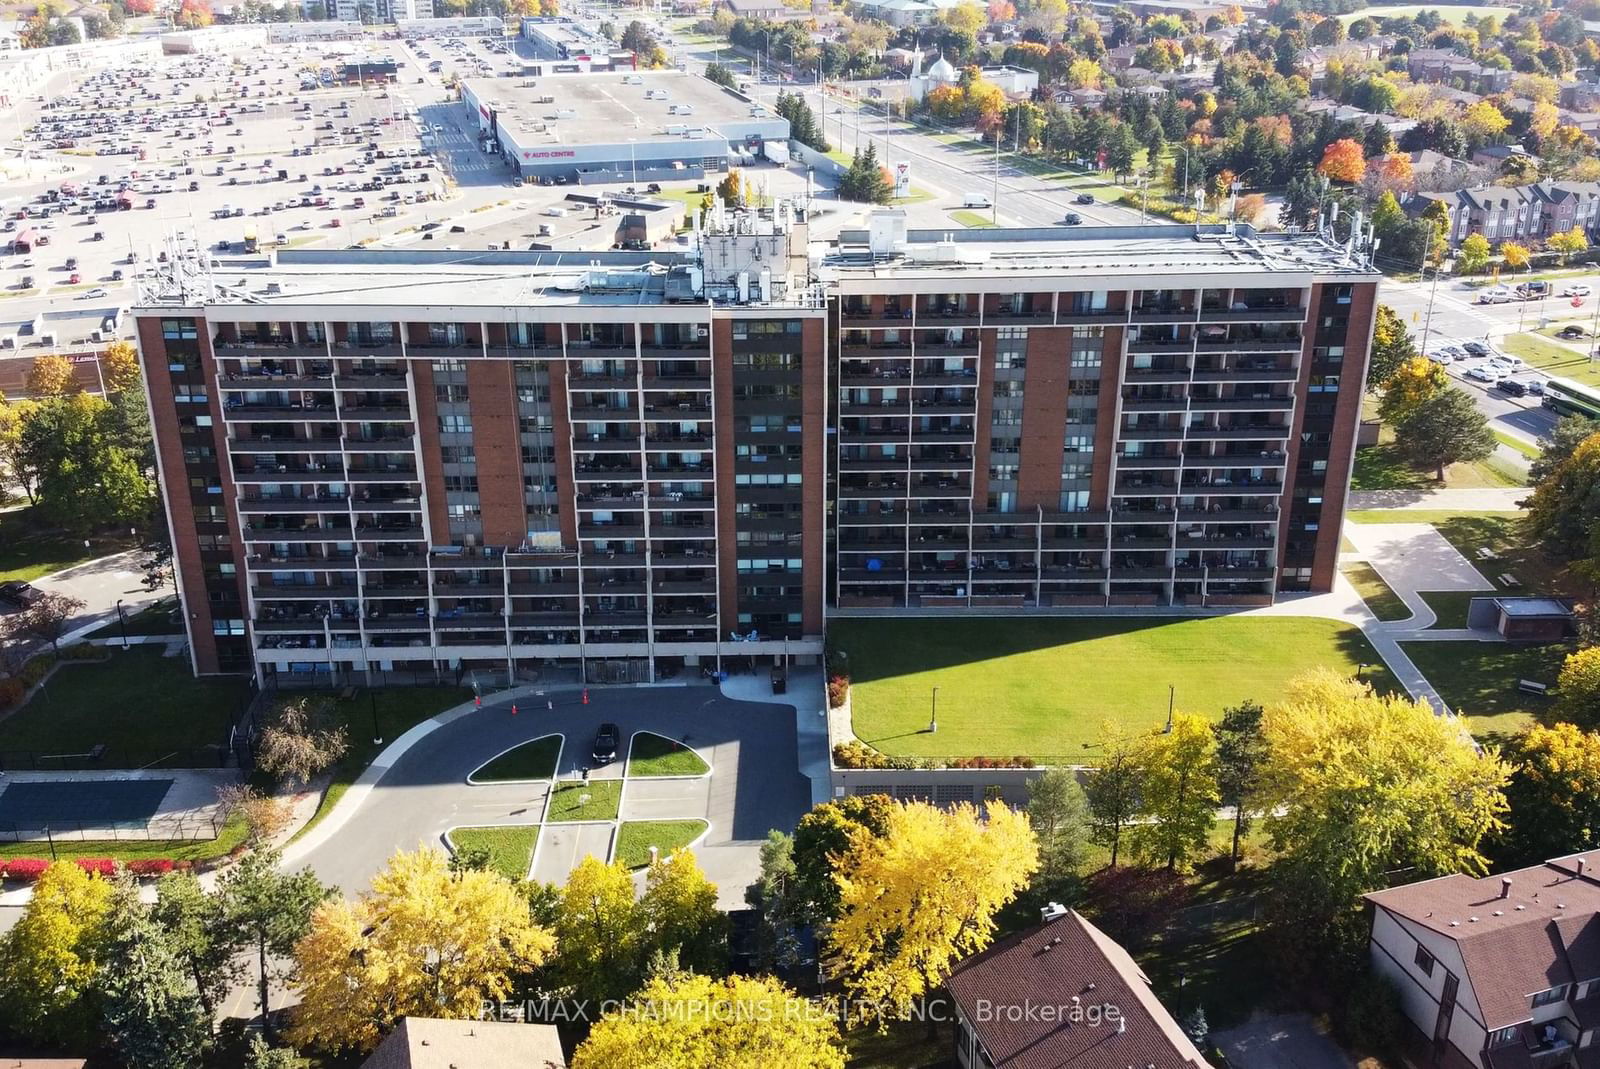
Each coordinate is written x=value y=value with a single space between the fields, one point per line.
x=464 y=512
x=1502 y=1037
x=449 y=365
x=1555 y=994
x=461 y=484
x=450 y=393
x=747 y=328
x=1079 y=443
x=1074 y=500
x=227 y=627
x=1424 y=960
x=455 y=424
x=178 y=329
x=458 y=454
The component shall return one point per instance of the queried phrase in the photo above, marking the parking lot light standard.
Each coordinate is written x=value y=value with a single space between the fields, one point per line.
x=933 y=713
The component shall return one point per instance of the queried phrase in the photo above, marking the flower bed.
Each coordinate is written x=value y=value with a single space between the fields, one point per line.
x=29 y=869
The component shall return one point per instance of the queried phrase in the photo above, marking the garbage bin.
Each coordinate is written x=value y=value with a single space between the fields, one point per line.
x=779 y=679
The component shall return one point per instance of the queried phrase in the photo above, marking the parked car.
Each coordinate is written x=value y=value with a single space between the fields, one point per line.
x=1512 y=387
x=1535 y=387
x=1496 y=295
x=1443 y=358
x=1487 y=373
x=1476 y=348
x=20 y=594
x=1072 y=219
x=1083 y=198
x=1510 y=363
x=1579 y=290
x=605 y=744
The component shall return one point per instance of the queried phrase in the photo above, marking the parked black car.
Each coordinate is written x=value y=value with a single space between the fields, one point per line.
x=1083 y=198
x=605 y=744
x=1512 y=387
x=20 y=594
x=1476 y=348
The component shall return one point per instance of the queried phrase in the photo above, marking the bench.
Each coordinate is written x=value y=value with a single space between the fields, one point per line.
x=1485 y=553
x=1509 y=581
x=1529 y=686
x=347 y=694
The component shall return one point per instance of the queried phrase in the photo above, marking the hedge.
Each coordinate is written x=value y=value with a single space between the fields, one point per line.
x=29 y=869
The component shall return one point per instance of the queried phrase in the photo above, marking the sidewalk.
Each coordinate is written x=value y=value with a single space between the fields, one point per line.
x=1500 y=499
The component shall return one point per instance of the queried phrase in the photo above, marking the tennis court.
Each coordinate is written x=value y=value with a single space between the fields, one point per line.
x=62 y=803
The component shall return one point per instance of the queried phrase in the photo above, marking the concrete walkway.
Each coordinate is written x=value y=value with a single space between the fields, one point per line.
x=1499 y=499
x=1412 y=558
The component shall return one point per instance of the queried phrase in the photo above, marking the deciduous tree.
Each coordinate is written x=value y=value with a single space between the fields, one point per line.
x=1113 y=788
x=686 y=1021
x=1392 y=348
x=1342 y=161
x=51 y=375
x=1483 y=122
x=1513 y=255
x=1473 y=255
x=1357 y=786
x=50 y=618
x=51 y=960
x=599 y=931
x=120 y=365
x=1564 y=510
x=424 y=942
x=679 y=910
x=86 y=476
x=17 y=463
x=302 y=737
x=1553 y=794
x=1568 y=242
x=1578 y=688
x=196 y=924
x=821 y=838
x=924 y=894
x=1179 y=792
x=1410 y=384
x=1443 y=429
x=1559 y=444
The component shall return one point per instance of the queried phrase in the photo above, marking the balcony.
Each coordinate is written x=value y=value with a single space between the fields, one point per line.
x=291 y=473
x=336 y=503
x=1244 y=312
x=296 y=534
x=892 y=315
x=603 y=349
x=604 y=443
x=1247 y=373
x=610 y=531
x=1241 y=404
x=1223 y=514
x=1150 y=434
x=272 y=443
x=377 y=413
x=379 y=349
x=288 y=591
x=1155 y=375
x=238 y=412
x=264 y=380
x=1171 y=403
x=333 y=562
x=680 y=411
x=603 y=380
x=1006 y=313
x=395 y=474
x=868 y=377
x=1256 y=431
x=375 y=533
x=1162 y=312
x=378 y=443
x=582 y=413
x=897 y=407
x=1146 y=461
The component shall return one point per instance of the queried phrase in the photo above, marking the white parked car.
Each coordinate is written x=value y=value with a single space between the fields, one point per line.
x=1488 y=372
x=1510 y=363
x=1441 y=358
x=1497 y=295
x=1576 y=291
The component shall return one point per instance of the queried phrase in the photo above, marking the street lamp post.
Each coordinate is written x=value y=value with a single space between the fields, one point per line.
x=122 y=623
x=372 y=704
x=933 y=713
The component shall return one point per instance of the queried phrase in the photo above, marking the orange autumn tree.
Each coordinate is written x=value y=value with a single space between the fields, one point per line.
x=1342 y=161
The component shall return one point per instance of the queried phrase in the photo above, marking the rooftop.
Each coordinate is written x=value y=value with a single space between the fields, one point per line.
x=430 y=1043
x=1103 y=1014
x=1519 y=933
x=604 y=108
x=1094 y=250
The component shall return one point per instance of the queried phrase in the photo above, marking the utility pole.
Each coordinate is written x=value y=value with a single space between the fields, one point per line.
x=994 y=200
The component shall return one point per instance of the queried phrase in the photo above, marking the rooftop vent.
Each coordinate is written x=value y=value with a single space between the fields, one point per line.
x=1505 y=887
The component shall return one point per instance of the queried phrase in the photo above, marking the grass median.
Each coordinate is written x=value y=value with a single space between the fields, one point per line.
x=531 y=760
x=510 y=847
x=636 y=837
x=573 y=801
x=657 y=755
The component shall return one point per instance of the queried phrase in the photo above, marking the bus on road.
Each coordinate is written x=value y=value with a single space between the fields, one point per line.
x=1572 y=398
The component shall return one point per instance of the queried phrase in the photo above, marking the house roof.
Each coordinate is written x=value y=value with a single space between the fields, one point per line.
x=430 y=1043
x=1068 y=966
x=1543 y=932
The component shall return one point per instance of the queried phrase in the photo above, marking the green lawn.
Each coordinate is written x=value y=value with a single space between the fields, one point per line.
x=1379 y=596
x=1450 y=606
x=29 y=550
x=1452 y=14
x=1554 y=358
x=657 y=755
x=1055 y=679
x=399 y=709
x=636 y=837
x=1433 y=516
x=567 y=801
x=153 y=619
x=1479 y=680
x=510 y=847
x=1381 y=467
x=531 y=760
x=972 y=219
x=1527 y=449
x=146 y=709
x=232 y=836
x=1500 y=531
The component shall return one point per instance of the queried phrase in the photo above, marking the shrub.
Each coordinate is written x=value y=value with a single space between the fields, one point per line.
x=838 y=691
x=1134 y=904
x=857 y=754
x=26 y=869
x=98 y=866
x=85 y=651
x=155 y=866
x=36 y=669
x=1370 y=1017
x=11 y=692
x=1019 y=761
x=1184 y=215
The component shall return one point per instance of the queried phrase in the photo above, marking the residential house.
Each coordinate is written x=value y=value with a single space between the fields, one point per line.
x=766 y=10
x=1586 y=121
x=431 y=1043
x=1580 y=96
x=1062 y=994
x=1119 y=58
x=1496 y=157
x=1498 y=972
x=1085 y=99
x=1517 y=213
x=1446 y=67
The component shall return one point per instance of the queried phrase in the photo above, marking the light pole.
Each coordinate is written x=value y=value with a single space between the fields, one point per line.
x=633 y=159
x=122 y=623
x=372 y=704
x=933 y=713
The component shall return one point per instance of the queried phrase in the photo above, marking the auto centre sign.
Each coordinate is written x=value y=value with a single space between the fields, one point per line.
x=548 y=154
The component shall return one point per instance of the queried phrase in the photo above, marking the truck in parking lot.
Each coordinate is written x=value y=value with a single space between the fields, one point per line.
x=1533 y=291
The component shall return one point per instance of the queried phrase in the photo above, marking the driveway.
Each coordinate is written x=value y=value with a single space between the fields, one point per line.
x=754 y=786
x=1289 y=1041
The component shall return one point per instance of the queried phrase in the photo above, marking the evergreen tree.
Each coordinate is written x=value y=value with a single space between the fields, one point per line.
x=803 y=124
x=151 y=1012
x=865 y=180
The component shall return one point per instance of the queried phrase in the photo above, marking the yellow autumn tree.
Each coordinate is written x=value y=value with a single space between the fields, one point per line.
x=120 y=365
x=1412 y=383
x=1179 y=792
x=1483 y=122
x=50 y=960
x=423 y=942
x=50 y=376
x=688 y=1021
x=923 y=894
x=1514 y=256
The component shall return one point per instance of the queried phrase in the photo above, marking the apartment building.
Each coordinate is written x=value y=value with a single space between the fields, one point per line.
x=1528 y=213
x=628 y=465
x=1090 y=417
x=1498 y=972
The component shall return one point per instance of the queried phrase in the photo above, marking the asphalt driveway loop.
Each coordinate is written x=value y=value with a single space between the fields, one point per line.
x=755 y=784
x=1288 y=1041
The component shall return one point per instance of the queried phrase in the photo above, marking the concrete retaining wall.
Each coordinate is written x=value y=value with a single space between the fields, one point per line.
x=810 y=157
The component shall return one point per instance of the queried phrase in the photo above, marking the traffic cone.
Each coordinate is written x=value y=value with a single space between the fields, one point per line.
x=477 y=701
x=513 y=710
x=586 y=695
